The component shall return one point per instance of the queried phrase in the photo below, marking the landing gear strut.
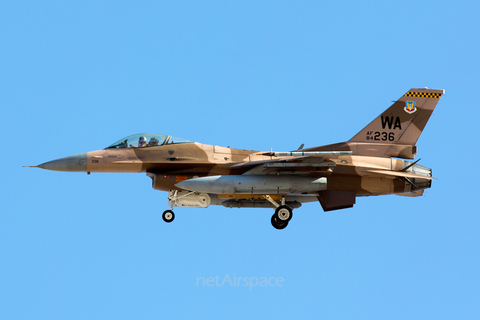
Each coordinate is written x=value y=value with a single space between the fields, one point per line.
x=173 y=198
x=283 y=213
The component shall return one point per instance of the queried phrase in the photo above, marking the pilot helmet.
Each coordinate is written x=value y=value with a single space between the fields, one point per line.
x=153 y=141
x=142 y=140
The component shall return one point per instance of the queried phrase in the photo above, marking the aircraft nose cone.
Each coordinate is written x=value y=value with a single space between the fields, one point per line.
x=75 y=163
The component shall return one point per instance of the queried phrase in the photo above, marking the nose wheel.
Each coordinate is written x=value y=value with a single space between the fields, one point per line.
x=168 y=216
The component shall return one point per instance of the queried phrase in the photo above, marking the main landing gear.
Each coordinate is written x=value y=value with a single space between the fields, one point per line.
x=283 y=213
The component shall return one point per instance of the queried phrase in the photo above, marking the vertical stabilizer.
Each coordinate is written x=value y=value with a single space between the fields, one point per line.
x=404 y=121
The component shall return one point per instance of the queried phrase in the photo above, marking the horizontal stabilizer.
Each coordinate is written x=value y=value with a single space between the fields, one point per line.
x=412 y=194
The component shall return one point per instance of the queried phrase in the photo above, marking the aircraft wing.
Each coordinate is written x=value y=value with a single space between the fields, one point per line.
x=290 y=156
x=320 y=154
x=401 y=174
x=259 y=162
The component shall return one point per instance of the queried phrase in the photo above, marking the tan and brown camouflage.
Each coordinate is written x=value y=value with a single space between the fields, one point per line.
x=368 y=164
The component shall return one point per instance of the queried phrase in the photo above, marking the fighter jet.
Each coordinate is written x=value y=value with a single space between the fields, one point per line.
x=199 y=175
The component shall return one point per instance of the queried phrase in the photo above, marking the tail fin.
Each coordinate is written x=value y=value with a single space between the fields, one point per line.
x=400 y=125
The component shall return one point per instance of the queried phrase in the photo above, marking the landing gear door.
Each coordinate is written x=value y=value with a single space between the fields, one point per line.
x=188 y=199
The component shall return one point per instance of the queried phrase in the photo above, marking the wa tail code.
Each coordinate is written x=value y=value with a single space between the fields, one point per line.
x=388 y=121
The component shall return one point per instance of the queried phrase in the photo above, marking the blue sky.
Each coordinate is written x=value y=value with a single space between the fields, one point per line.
x=76 y=77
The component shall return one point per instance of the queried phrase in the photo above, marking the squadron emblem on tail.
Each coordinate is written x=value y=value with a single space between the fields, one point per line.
x=410 y=107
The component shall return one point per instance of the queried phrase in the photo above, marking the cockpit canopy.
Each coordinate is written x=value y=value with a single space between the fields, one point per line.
x=144 y=140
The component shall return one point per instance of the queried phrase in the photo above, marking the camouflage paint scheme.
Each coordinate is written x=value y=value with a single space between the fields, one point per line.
x=371 y=168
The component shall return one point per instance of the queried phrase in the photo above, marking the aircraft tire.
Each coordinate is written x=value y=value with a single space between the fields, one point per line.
x=284 y=213
x=168 y=216
x=277 y=224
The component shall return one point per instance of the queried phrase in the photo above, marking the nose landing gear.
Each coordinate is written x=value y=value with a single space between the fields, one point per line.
x=168 y=215
x=173 y=197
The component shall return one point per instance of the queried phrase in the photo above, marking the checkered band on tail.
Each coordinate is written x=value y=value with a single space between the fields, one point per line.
x=423 y=94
